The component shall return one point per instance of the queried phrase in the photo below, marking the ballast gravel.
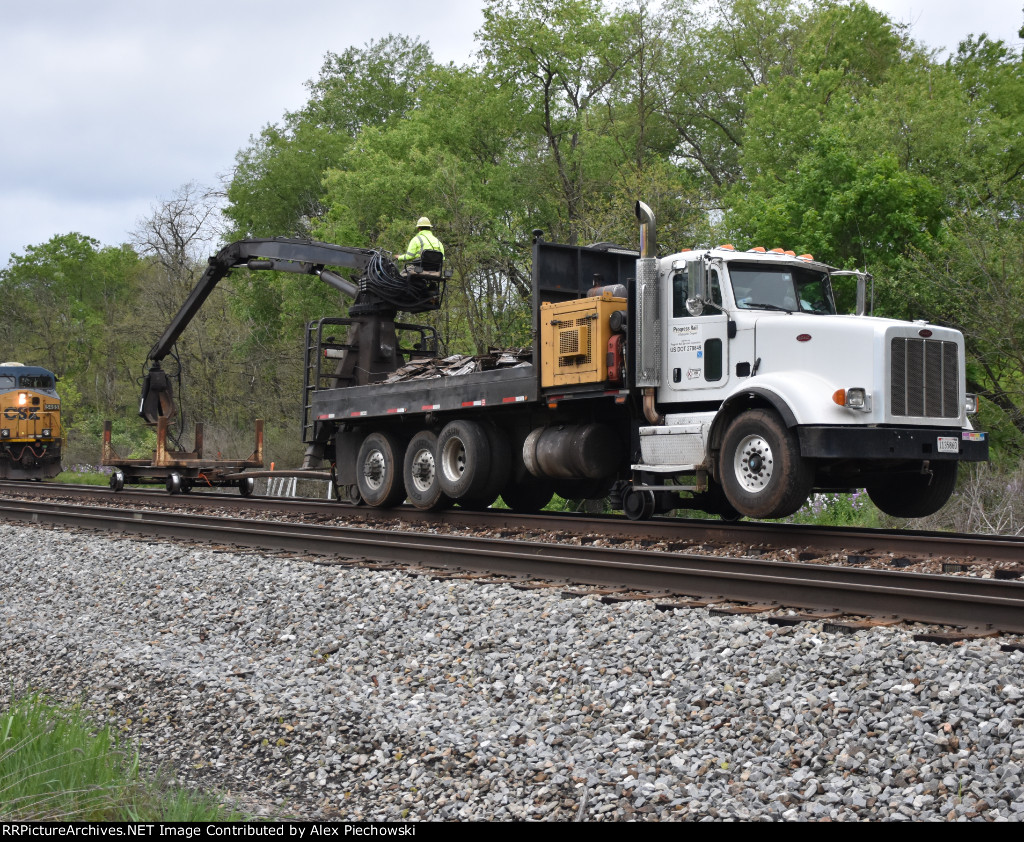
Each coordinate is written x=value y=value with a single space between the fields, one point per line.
x=316 y=690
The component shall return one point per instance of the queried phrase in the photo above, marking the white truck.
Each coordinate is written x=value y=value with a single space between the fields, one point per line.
x=708 y=379
x=712 y=379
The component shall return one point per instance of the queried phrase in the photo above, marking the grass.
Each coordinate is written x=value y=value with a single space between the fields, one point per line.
x=56 y=766
x=85 y=475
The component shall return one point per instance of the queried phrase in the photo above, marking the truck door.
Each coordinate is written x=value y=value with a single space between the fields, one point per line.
x=697 y=354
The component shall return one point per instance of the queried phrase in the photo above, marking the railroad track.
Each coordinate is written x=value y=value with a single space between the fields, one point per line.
x=901 y=547
x=674 y=578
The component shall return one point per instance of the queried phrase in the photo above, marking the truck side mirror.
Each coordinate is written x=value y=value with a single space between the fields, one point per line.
x=696 y=287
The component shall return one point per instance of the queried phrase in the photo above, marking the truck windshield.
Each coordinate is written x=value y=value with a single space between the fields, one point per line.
x=757 y=286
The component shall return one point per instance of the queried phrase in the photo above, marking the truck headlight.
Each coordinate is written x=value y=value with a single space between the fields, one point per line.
x=971 y=404
x=856 y=398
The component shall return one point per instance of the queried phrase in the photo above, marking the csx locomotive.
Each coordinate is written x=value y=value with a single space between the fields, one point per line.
x=30 y=432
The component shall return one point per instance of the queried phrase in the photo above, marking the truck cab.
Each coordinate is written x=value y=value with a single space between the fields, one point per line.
x=764 y=392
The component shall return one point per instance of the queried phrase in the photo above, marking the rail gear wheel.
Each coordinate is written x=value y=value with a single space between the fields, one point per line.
x=117 y=481
x=174 y=483
x=637 y=503
x=379 y=471
x=246 y=486
x=917 y=494
x=762 y=472
x=421 y=475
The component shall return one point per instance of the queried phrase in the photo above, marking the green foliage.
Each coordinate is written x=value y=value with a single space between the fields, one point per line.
x=853 y=509
x=57 y=766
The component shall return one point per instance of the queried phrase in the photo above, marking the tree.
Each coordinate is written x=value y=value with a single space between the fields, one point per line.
x=561 y=58
x=276 y=188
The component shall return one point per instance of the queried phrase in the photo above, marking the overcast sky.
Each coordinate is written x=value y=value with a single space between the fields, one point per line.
x=108 y=106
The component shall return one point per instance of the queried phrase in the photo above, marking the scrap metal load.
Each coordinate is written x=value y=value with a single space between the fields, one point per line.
x=458 y=364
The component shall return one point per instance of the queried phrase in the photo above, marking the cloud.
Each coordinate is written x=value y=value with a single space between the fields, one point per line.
x=111 y=105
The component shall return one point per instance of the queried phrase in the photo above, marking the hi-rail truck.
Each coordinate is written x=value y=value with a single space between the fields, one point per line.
x=708 y=379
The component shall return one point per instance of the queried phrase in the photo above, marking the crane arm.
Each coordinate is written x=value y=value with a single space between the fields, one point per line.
x=279 y=254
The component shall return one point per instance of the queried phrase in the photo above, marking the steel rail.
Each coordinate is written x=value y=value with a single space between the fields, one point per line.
x=917 y=544
x=948 y=600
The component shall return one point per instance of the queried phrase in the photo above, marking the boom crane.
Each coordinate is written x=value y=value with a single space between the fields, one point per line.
x=368 y=353
x=380 y=294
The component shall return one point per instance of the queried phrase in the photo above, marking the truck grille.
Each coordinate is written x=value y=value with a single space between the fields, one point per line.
x=925 y=378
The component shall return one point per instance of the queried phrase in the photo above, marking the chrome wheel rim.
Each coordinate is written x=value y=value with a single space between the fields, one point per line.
x=423 y=471
x=754 y=464
x=374 y=470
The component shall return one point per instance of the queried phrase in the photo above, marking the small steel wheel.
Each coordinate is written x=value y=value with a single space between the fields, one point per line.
x=174 y=483
x=246 y=486
x=117 y=481
x=638 y=503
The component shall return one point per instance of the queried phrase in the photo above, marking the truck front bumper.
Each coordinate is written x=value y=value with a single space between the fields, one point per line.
x=893 y=443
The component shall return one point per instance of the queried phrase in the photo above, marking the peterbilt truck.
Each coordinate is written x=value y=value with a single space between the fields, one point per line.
x=710 y=379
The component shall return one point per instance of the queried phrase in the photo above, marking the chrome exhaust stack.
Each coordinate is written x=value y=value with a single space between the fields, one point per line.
x=648 y=335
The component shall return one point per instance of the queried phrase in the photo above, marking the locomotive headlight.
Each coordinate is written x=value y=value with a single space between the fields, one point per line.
x=46 y=432
x=22 y=398
x=5 y=433
x=971 y=403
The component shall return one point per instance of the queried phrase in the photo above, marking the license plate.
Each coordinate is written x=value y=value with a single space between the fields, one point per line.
x=948 y=445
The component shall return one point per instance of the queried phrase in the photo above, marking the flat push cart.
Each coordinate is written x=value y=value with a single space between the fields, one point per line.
x=181 y=471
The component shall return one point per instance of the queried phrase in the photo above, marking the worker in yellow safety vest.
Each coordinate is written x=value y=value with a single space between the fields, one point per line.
x=424 y=239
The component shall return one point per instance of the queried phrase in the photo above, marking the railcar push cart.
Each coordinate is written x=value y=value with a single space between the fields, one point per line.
x=181 y=471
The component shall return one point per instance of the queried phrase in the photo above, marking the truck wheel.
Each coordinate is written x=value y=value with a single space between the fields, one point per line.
x=173 y=483
x=715 y=503
x=246 y=486
x=420 y=474
x=528 y=496
x=378 y=470
x=117 y=481
x=762 y=472
x=464 y=460
x=915 y=495
x=501 y=466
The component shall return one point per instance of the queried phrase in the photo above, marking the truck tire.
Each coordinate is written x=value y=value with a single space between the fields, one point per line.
x=915 y=495
x=762 y=472
x=464 y=460
x=379 y=470
x=501 y=466
x=420 y=474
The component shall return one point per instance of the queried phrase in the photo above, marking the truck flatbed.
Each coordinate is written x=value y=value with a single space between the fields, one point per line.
x=500 y=387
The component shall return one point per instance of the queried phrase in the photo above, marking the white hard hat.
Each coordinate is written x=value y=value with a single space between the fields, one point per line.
x=423 y=223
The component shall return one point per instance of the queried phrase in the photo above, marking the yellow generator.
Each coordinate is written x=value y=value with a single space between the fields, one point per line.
x=574 y=340
x=30 y=430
